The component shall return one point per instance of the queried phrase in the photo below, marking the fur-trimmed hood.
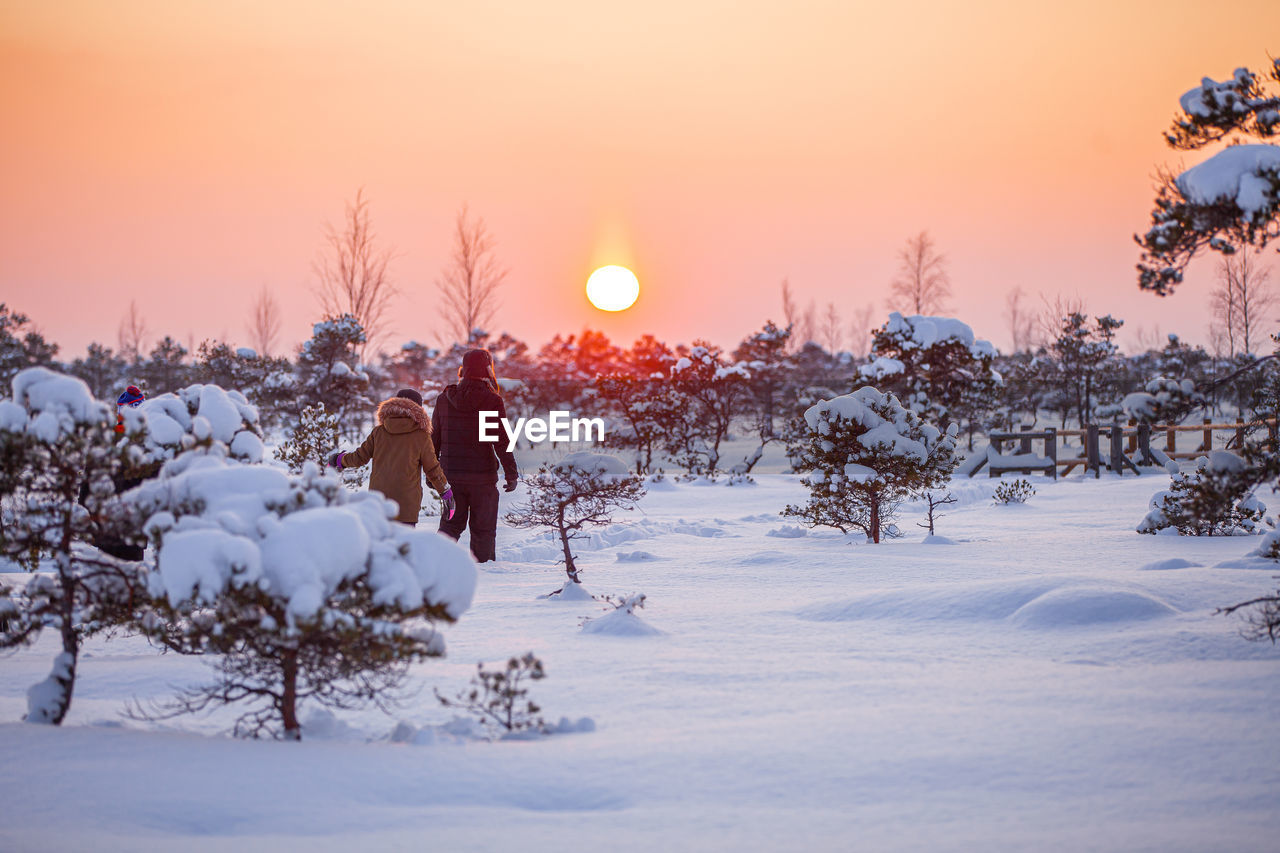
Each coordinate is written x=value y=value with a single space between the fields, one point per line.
x=399 y=415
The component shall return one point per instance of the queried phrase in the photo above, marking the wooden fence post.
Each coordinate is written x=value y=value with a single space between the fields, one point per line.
x=1208 y=437
x=1051 y=448
x=1092 y=455
x=1170 y=440
x=1117 y=449
x=1144 y=444
x=1133 y=438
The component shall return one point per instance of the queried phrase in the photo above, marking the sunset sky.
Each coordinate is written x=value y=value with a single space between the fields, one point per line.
x=184 y=154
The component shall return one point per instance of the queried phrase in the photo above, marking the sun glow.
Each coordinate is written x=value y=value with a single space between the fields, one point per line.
x=613 y=288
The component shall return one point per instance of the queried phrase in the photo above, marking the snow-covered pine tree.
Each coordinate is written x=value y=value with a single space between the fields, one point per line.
x=65 y=467
x=62 y=462
x=934 y=365
x=581 y=490
x=21 y=345
x=764 y=355
x=297 y=590
x=643 y=408
x=267 y=382
x=329 y=372
x=865 y=453
x=709 y=391
x=1217 y=499
x=1083 y=357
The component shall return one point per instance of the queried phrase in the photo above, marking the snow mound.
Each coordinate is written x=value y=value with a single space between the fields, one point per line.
x=934 y=539
x=705 y=531
x=619 y=623
x=1166 y=565
x=788 y=531
x=607 y=468
x=1084 y=606
x=1033 y=602
x=760 y=558
x=636 y=557
x=571 y=591
x=323 y=724
x=961 y=602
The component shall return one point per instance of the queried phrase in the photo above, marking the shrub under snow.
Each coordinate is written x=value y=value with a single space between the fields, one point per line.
x=1214 y=500
x=306 y=591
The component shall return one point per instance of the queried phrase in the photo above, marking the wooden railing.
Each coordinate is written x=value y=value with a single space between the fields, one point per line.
x=1123 y=443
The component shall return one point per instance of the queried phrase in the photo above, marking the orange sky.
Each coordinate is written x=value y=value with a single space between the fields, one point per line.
x=184 y=154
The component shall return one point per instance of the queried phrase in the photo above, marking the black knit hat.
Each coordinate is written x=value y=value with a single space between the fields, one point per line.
x=476 y=364
x=410 y=394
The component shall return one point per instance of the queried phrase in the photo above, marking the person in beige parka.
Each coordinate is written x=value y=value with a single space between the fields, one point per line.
x=401 y=451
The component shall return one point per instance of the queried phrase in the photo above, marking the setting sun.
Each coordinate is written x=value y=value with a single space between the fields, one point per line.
x=613 y=288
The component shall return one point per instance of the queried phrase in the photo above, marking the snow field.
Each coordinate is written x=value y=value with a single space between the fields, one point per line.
x=1052 y=680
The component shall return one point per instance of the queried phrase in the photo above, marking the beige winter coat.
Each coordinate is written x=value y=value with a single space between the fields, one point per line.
x=401 y=451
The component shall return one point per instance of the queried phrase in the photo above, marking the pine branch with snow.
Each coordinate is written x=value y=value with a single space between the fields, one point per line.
x=1230 y=200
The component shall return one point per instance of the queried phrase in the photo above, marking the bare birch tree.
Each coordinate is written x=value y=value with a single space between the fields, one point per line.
x=860 y=330
x=264 y=323
x=1241 y=304
x=1021 y=319
x=132 y=334
x=921 y=285
x=353 y=273
x=469 y=284
x=831 y=331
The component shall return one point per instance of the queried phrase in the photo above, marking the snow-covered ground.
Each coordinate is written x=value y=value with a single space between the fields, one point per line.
x=1051 y=680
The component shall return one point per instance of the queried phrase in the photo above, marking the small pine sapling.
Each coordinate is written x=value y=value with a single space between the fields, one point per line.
x=497 y=697
x=313 y=438
x=580 y=490
x=625 y=603
x=934 y=501
x=1018 y=491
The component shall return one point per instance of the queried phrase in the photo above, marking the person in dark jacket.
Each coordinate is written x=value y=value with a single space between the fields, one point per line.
x=401 y=450
x=471 y=464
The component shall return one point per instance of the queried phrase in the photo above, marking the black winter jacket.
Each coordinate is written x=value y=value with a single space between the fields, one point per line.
x=456 y=433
